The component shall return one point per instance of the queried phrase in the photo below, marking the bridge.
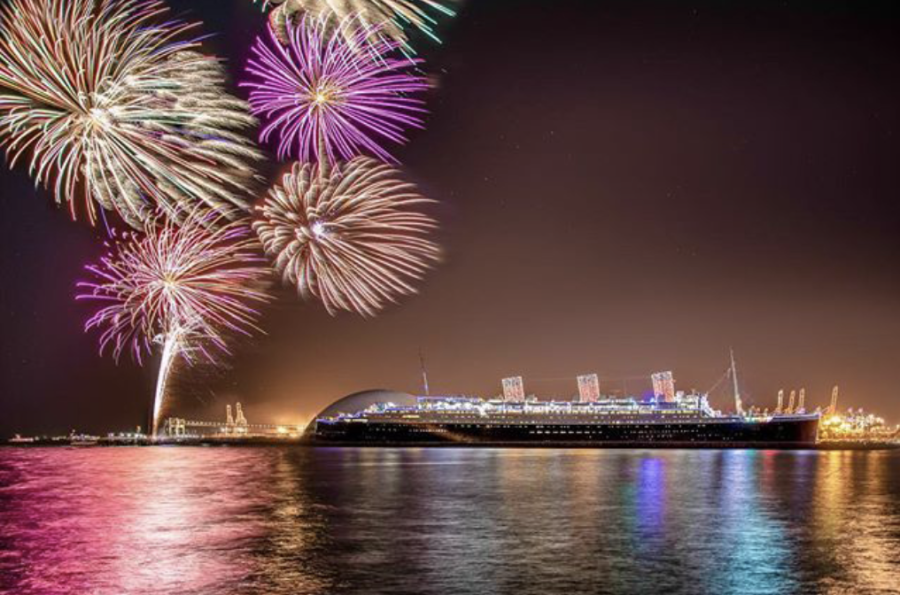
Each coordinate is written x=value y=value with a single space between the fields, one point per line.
x=233 y=425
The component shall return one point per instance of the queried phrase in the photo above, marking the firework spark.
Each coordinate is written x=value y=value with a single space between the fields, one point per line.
x=107 y=102
x=182 y=286
x=390 y=17
x=348 y=239
x=325 y=96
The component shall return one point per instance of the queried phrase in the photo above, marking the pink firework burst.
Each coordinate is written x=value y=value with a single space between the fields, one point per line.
x=191 y=283
x=178 y=286
x=333 y=91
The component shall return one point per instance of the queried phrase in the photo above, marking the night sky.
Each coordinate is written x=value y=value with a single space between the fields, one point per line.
x=625 y=186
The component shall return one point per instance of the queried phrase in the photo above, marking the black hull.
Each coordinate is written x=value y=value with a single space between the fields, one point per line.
x=714 y=434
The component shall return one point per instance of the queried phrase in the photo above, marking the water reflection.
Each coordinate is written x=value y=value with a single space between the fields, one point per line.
x=650 y=504
x=323 y=521
x=128 y=521
x=754 y=554
x=853 y=497
x=291 y=555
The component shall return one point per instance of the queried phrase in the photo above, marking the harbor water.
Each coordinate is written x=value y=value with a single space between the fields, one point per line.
x=303 y=520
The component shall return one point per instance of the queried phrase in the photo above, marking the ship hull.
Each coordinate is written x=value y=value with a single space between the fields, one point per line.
x=788 y=433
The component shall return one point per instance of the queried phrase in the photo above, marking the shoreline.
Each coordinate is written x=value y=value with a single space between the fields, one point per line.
x=306 y=442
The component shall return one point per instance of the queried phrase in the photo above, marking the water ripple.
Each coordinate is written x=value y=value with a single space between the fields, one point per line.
x=421 y=521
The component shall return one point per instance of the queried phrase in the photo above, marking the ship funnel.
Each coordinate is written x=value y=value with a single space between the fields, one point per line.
x=229 y=419
x=513 y=389
x=663 y=386
x=588 y=388
x=780 y=408
x=800 y=407
x=790 y=407
x=832 y=410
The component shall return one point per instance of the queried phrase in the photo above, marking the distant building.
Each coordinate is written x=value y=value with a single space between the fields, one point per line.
x=513 y=389
x=588 y=388
x=663 y=386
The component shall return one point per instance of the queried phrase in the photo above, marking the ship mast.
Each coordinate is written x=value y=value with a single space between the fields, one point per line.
x=738 y=405
x=424 y=373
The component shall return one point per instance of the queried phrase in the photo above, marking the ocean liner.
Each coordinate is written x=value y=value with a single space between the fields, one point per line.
x=667 y=419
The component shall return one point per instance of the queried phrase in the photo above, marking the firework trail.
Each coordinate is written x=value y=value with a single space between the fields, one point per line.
x=388 y=17
x=183 y=286
x=107 y=101
x=350 y=239
x=326 y=97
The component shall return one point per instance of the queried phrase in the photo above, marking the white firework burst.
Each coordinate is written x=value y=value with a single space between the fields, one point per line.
x=351 y=238
x=389 y=17
x=108 y=102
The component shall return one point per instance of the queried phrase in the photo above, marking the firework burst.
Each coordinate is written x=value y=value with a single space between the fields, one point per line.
x=350 y=239
x=325 y=96
x=390 y=17
x=180 y=286
x=105 y=101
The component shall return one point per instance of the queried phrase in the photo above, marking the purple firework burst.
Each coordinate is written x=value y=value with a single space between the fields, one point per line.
x=333 y=90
